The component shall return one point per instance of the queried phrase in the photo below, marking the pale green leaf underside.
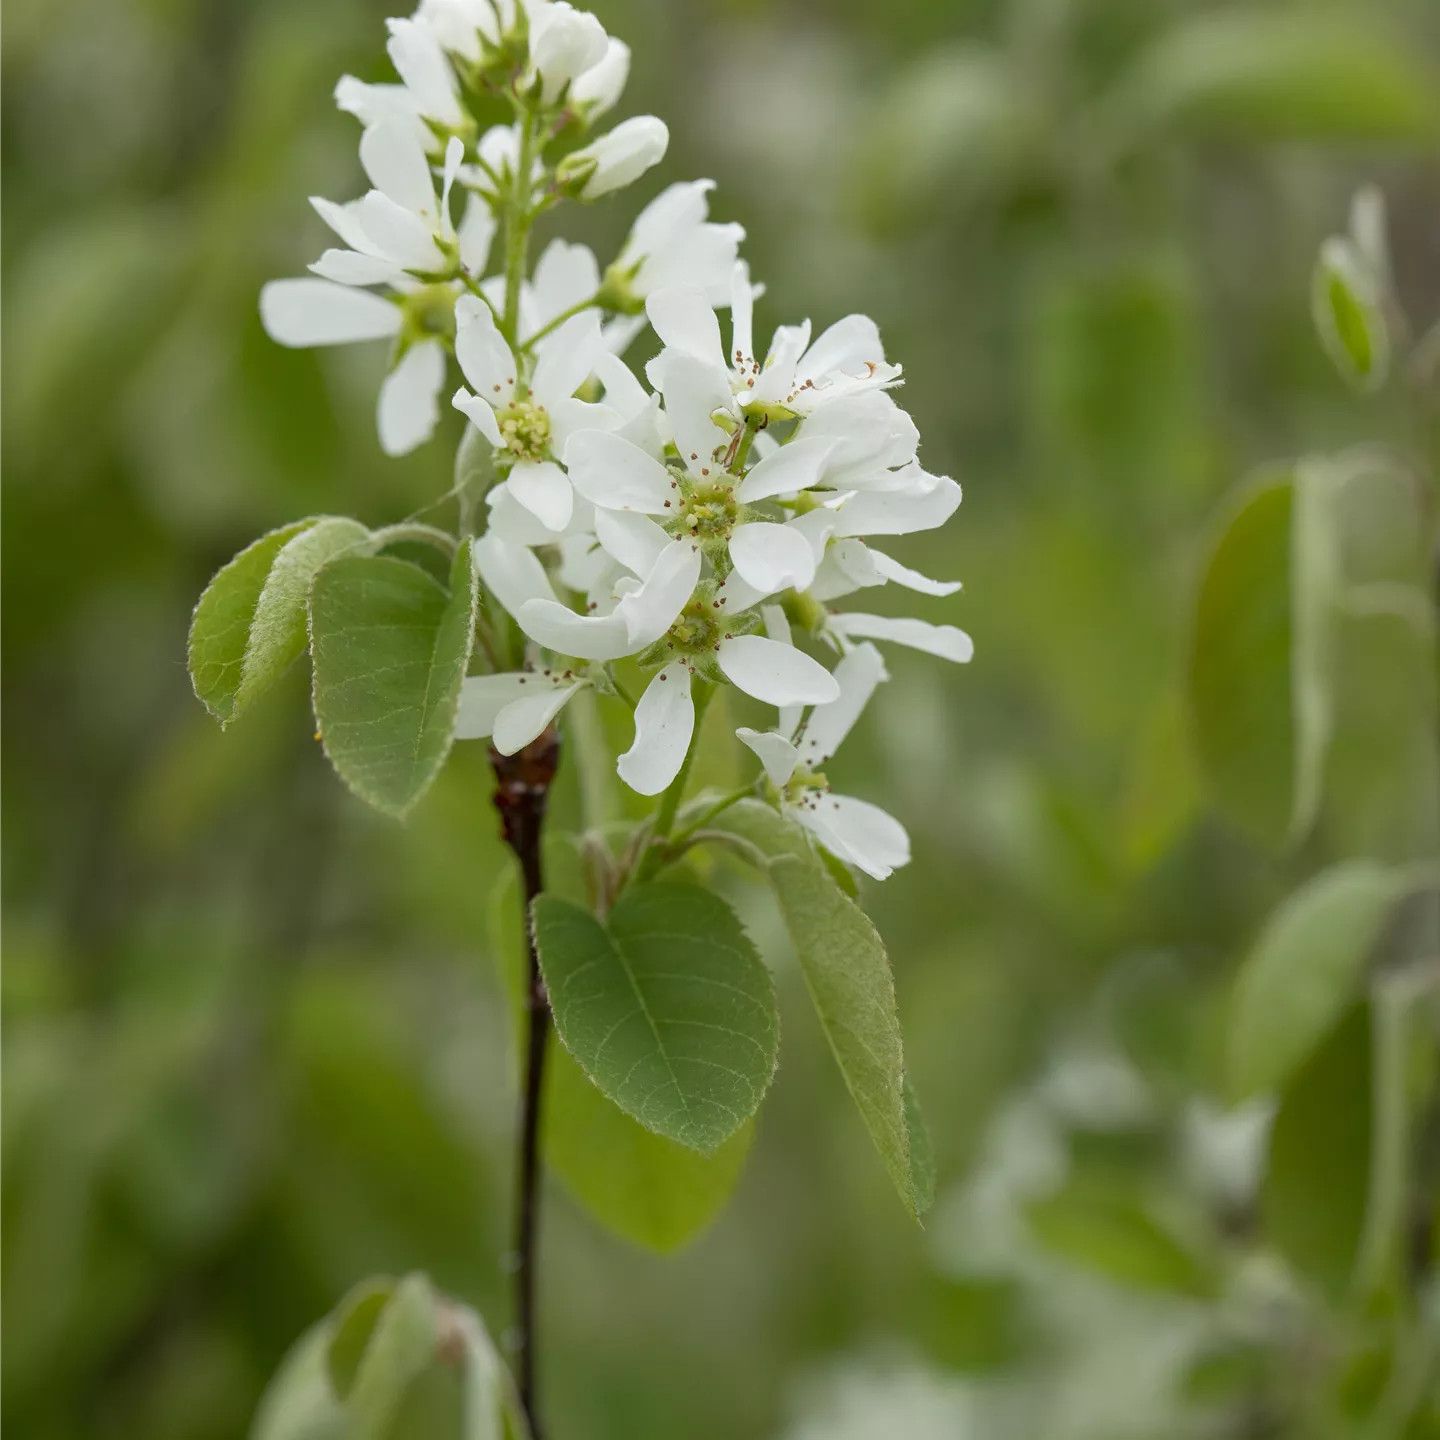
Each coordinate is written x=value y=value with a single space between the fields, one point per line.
x=249 y=626
x=220 y=627
x=390 y=652
x=848 y=974
x=666 y=1007
x=1305 y=972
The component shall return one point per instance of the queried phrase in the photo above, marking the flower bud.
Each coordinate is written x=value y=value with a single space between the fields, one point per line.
x=564 y=43
x=614 y=160
x=600 y=87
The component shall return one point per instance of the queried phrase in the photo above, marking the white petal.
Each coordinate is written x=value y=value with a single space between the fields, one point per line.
x=777 y=627
x=477 y=234
x=396 y=163
x=777 y=754
x=623 y=155
x=742 y=314
x=518 y=724
x=889 y=569
x=319 y=312
x=857 y=675
x=599 y=88
x=943 y=640
x=569 y=417
x=483 y=697
x=510 y=521
x=705 y=258
x=777 y=379
x=416 y=54
x=737 y=594
x=772 y=557
x=591 y=637
x=567 y=357
x=543 y=488
x=350 y=267
x=482 y=352
x=792 y=468
x=399 y=234
x=344 y=220
x=410 y=398
x=856 y=831
x=511 y=573
x=899 y=513
x=480 y=414
x=454 y=155
x=614 y=474
x=775 y=673
x=623 y=392
x=652 y=609
x=685 y=321
x=693 y=390
x=565 y=276
x=664 y=726
x=674 y=211
x=631 y=539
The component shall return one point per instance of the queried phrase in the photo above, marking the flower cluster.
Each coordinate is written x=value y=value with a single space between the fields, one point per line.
x=699 y=518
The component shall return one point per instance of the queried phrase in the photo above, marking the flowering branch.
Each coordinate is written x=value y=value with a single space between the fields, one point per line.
x=641 y=539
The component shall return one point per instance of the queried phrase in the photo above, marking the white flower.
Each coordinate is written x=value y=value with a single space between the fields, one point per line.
x=600 y=87
x=420 y=61
x=673 y=243
x=617 y=158
x=464 y=27
x=564 y=44
x=370 y=104
x=530 y=419
x=854 y=830
x=797 y=376
x=400 y=229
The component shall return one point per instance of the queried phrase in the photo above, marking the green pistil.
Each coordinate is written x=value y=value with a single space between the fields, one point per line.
x=706 y=512
x=524 y=430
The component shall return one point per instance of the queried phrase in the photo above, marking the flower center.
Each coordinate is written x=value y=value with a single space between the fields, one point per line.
x=524 y=430
x=708 y=510
x=429 y=312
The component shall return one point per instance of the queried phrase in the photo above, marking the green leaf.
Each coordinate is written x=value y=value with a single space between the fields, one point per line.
x=353 y=1329
x=1256 y=74
x=848 y=976
x=1305 y=972
x=1116 y=1237
x=1238 y=681
x=922 y=1152
x=390 y=650
x=249 y=625
x=647 y=1189
x=299 y=1404
x=1314 y=1199
x=1346 y=302
x=666 y=1007
x=1317 y=582
x=403 y=1341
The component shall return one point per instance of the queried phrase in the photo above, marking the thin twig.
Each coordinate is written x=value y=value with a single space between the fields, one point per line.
x=522 y=794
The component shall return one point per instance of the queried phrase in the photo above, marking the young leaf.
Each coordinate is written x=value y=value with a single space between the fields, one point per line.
x=1315 y=1194
x=647 y=1189
x=922 y=1153
x=1305 y=972
x=848 y=976
x=390 y=650
x=1349 y=313
x=1239 y=691
x=249 y=625
x=299 y=1403
x=404 y=1339
x=666 y=1007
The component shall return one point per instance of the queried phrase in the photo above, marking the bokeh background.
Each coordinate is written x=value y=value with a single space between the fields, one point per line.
x=254 y=1045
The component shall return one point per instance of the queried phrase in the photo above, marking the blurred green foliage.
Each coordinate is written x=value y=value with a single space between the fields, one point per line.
x=255 y=1045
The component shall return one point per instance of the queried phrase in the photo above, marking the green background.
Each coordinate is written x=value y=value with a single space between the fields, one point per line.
x=255 y=1046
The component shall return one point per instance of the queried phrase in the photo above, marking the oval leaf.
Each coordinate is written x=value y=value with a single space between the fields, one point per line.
x=391 y=649
x=1305 y=972
x=1239 y=671
x=1316 y=1191
x=647 y=1189
x=666 y=1007
x=848 y=975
